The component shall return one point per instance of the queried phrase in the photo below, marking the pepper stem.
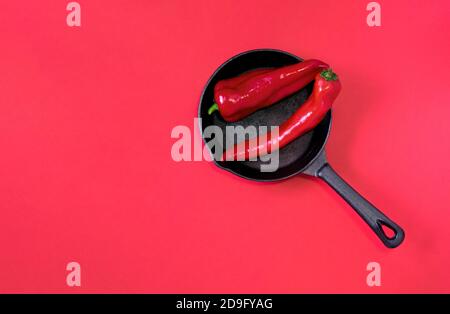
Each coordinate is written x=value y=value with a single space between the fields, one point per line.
x=329 y=75
x=213 y=108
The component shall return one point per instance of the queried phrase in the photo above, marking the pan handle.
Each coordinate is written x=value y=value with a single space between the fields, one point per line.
x=371 y=215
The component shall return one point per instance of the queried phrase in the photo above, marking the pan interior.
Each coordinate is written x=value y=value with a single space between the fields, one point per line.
x=293 y=157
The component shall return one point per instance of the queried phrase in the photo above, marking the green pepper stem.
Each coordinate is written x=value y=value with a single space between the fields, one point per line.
x=329 y=75
x=213 y=108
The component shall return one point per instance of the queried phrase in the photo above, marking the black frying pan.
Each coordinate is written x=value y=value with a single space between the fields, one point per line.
x=305 y=155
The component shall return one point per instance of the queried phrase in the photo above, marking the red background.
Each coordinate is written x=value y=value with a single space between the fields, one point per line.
x=86 y=173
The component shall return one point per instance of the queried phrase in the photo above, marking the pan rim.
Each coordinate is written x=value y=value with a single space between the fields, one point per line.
x=282 y=178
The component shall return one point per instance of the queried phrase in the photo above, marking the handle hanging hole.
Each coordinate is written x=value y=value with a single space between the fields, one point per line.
x=388 y=231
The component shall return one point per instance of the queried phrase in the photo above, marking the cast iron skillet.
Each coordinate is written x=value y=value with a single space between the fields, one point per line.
x=305 y=155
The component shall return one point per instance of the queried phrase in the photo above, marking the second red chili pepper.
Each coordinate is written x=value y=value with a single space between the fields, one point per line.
x=326 y=88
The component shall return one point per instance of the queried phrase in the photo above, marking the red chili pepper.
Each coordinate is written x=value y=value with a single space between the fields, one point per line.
x=326 y=88
x=238 y=97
